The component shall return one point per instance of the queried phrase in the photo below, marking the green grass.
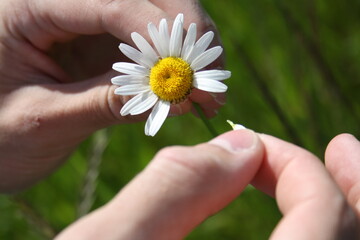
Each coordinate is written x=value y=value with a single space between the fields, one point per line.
x=295 y=75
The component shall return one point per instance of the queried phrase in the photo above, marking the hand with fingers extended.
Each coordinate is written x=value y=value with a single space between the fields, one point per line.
x=183 y=186
x=55 y=89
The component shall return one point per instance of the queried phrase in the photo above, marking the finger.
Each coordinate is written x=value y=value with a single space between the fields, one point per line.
x=179 y=189
x=191 y=9
x=180 y=108
x=209 y=102
x=342 y=159
x=43 y=23
x=311 y=202
x=119 y=18
x=54 y=119
x=86 y=56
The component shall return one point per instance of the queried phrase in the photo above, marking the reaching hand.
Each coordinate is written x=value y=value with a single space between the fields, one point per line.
x=183 y=186
x=45 y=110
x=312 y=203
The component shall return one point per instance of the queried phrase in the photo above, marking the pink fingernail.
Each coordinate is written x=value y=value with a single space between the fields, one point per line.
x=243 y=139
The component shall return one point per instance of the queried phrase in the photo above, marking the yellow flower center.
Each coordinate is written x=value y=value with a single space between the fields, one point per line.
x=171 y=79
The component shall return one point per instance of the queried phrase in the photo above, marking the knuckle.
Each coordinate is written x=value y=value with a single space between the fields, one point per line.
x=112 y=10
x=28 y=118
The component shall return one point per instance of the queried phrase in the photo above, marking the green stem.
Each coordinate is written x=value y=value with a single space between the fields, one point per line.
x=205 y=120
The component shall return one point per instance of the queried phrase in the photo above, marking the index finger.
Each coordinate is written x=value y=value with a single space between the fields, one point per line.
x=117 y=17
x=312 y=204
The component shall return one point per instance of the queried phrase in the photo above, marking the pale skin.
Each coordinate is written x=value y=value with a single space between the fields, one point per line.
x=46 y=111
x=182 y=186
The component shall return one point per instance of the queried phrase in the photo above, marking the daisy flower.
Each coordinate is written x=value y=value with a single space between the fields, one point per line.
x=167 y=74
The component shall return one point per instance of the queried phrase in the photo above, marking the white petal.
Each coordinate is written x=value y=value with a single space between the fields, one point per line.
x=189 y=41
x=129 y=79
x=133 y=102
x=148 y=101
x=159 y=43
x=176 y=37
x=209 y=85
x=236 y=126
x=200 y=46
x=206 y=58
x=205 y=40
x=136 y=55
x=157 y=117
x=213 y=74
x=180 y=17
x=132 y=89
x=144 y=47
x=130 y=68
x=164 y=35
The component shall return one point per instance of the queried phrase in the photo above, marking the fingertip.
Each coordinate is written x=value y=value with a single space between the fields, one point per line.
x=340 y=146
x=233 y=152
x=200 y=96
x=140 y=13
x=180 y=109
x=247 y=151
x=342 y=159
x=340 y=141
x=237 y=140
x=344 y=137
x=282 y=158
x=219 y=98
x=201 y=180
x=209 y=102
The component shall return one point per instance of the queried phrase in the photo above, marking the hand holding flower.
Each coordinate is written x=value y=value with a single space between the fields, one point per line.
x=45 y=110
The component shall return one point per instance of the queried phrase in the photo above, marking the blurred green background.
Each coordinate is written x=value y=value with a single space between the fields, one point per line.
x=295 y=75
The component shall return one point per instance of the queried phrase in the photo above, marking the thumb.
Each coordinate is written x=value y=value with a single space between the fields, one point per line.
x=180 y=188
x=92 y=104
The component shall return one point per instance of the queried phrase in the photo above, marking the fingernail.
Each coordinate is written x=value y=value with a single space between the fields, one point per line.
x=238 y=140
